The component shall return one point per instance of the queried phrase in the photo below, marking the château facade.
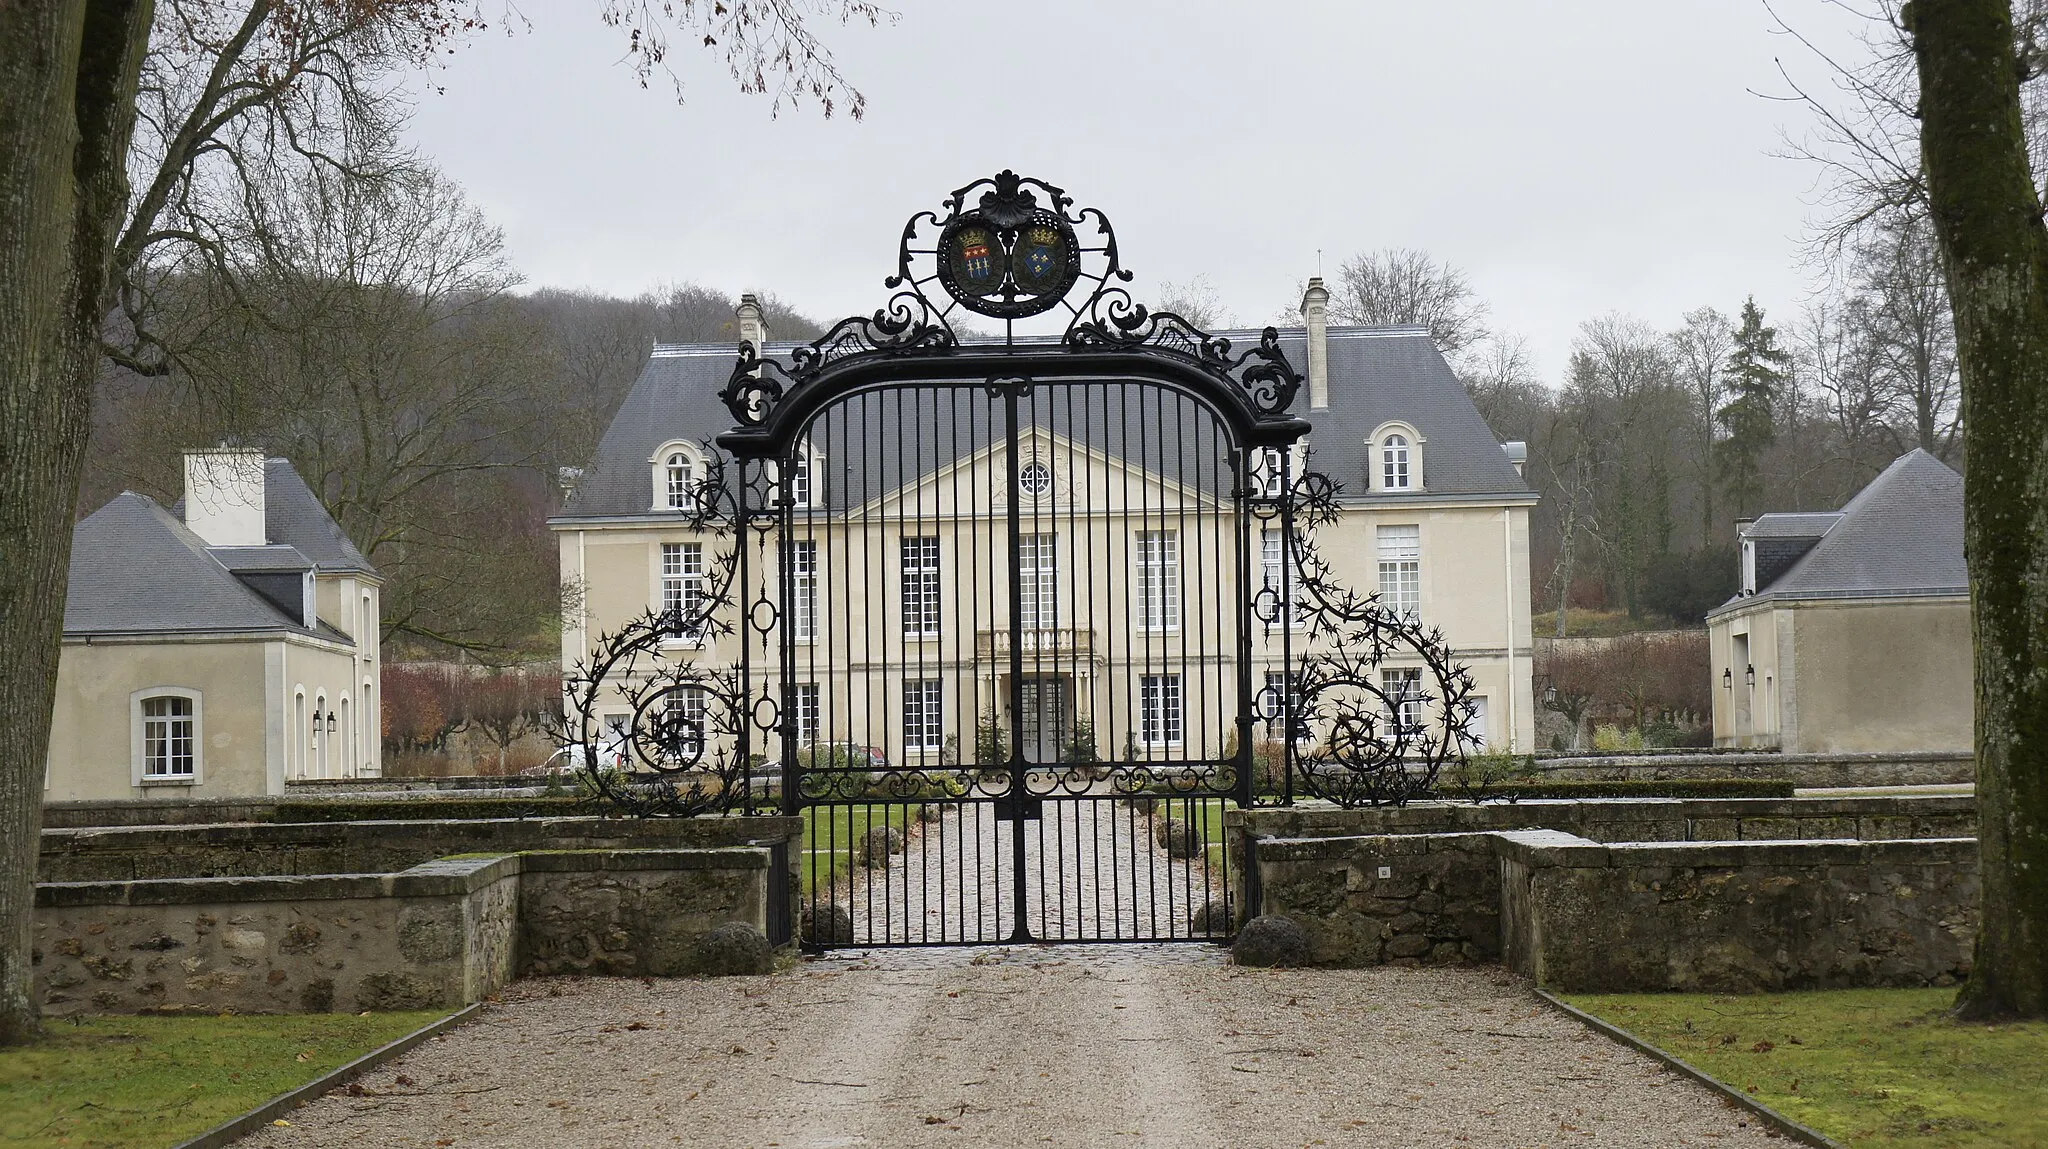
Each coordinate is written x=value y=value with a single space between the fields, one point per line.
x=901 y=617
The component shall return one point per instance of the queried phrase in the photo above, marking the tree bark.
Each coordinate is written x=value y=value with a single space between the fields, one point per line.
x=1995 y=251
x=68 y=72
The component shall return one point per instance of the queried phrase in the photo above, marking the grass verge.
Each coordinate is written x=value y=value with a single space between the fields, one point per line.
x=121 y=1082
x=1869 y=1067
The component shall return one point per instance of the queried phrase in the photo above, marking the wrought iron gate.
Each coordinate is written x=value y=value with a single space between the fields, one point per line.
x=1011 y=621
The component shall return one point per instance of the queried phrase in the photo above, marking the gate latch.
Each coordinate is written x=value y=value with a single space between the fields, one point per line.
x=1015 y=809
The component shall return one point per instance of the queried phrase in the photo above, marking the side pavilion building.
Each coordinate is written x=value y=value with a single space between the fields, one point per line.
x=1851 y=631
x=218 y=648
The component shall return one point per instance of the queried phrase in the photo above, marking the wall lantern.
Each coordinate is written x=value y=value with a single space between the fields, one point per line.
x=1749 y=677
x=1727 y=678
x=1550 y=697
x=316 y=718
x=330 y=722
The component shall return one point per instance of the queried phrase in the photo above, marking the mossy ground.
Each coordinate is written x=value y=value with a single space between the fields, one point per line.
x=1869 y=1067
x=117 y=1082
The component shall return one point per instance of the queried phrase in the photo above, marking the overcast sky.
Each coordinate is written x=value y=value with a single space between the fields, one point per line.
x=1574 y=157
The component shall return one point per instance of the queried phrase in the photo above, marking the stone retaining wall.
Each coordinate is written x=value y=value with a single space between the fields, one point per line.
x=634 y=913
x=1738 y=917
x=434 y=936
x=249 y=849
x=1580 y=915
x=1921 y=768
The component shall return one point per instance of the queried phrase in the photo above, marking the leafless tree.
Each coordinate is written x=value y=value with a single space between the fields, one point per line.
x=1699 y=353
x=1403 y=286
x=1196 y=301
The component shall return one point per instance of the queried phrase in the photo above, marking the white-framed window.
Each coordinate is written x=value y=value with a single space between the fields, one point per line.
x=1476 y=737
x=1274 y=576
x=800 y=480
x=612 y=744
x=676 y=467
x=924 y=726
x=1158 y=558
x=1278 y=703
x=1394 y=469
x=679 y=477
x=1038 y=580
x=684 y=712
x=1403 y=689
x=1035 y=479
x=803 y=703
x=1269 y=472
x=1400 y=550
x=682 y=585
x=920 y=586
x=803 y=589
x=1159 y=710
x=165 y=735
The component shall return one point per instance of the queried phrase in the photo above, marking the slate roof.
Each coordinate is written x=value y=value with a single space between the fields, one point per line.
x=1793 y=524
x=135 y=569
x=1376 y=375
x=1901 y=536
x=294 y=516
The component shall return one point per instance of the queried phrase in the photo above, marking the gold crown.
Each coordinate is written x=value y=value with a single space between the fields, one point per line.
x=1044 y=235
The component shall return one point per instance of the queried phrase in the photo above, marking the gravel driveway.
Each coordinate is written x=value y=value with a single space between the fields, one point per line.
x=1075 y=1046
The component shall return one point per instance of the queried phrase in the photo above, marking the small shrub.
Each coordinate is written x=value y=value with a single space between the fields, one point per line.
x=1271 y=941
x=1179 y=839
x=1612 y=738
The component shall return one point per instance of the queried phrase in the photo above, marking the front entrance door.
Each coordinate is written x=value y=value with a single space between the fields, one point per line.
x=1041 y=718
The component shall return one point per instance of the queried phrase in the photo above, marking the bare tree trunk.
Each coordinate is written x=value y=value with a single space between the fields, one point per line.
x=67 y=108
x=1996 y=252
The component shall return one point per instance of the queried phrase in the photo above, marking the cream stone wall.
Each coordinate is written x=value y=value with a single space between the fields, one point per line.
x=250 y=737
x=1845 y=675
x=1474 y=584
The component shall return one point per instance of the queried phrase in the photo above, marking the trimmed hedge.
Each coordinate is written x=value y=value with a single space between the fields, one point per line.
x=433 y=809
x=1641 y=788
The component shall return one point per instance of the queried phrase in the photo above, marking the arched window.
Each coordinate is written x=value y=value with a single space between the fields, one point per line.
x=1394 y=463
x=166 y=735
x=678 y=476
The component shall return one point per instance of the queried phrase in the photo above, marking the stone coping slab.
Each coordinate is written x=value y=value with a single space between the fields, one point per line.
x=1556 y=848
x=443 y=877
x=1877 y=805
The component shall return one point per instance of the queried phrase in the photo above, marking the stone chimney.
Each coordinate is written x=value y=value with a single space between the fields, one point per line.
x=1517 y=452
x=224 y=496
x=753 y=323
x=1315 y=306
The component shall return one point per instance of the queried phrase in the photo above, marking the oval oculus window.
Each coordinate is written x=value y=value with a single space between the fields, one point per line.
x=1035 y=478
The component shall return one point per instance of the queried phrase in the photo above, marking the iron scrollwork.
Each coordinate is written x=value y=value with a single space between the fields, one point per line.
x=649 y=723
x=1384 y=697
x=1021 y=249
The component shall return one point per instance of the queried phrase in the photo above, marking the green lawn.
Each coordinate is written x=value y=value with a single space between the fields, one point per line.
x=1869 y=1067
x=832 y=833
x=156 y=1081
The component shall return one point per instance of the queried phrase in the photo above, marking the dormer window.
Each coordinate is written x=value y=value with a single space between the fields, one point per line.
x=800 y=481
x=677 y=473
x=1394 y=462
x=1395 y=458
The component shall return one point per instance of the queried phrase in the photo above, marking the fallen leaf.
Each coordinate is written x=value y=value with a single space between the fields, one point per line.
x=1762 y=1047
